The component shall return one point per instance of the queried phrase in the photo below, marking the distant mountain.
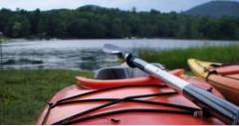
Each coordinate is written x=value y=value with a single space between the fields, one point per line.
x=90 y=7
x=216 y=9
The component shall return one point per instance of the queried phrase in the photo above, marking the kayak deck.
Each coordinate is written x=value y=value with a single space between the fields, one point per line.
x=131 y=105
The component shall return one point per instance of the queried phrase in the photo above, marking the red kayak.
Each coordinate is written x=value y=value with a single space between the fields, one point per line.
x=96 y=83
x=125 y=100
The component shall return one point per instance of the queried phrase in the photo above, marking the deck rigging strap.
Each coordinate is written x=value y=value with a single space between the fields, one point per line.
x=112 y=101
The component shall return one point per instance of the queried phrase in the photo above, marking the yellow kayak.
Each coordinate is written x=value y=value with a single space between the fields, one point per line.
x=199 y=67
x=224 y=78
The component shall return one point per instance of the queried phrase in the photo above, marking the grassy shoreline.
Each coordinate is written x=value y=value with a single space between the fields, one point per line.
x=177 y=58
x=24 y=92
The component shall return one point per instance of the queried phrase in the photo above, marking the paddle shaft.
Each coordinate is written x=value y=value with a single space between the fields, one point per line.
x=224 y=110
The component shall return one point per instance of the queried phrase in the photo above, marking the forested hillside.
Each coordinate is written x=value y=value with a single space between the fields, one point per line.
x=97 y=22
x=216 y=9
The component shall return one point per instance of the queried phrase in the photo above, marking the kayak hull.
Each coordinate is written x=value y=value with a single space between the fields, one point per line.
x=224 y=78
x=149 y=104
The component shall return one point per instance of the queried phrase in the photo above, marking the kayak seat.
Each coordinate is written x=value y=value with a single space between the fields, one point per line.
x=118 y=72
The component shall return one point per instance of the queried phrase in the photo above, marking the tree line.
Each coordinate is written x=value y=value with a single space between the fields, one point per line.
x=98 y=22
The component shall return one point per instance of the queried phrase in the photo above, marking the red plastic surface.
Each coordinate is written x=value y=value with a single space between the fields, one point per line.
x=96 y=84
x=128 y=118
x=226 y=70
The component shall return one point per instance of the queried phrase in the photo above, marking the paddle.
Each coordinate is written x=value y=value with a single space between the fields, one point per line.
x=222 y=109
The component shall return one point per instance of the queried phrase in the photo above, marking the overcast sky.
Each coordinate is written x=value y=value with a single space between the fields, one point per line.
x=141 y=5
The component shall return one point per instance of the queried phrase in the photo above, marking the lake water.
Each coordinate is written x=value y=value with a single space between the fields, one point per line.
x=82 y=54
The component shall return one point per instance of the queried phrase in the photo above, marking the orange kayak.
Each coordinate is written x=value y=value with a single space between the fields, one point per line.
x=134 y=100
x=96 y=84
x=225 y=78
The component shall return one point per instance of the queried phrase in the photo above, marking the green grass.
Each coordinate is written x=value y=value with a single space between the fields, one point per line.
x=177 y=58
x=23 y=93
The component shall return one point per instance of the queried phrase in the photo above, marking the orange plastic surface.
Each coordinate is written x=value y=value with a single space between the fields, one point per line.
x=225 y=70
x=226 y=80
x=131 y=117
x=96 y=84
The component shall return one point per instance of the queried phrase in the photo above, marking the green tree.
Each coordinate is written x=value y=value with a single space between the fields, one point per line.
x=98 y=22
x=34 y=18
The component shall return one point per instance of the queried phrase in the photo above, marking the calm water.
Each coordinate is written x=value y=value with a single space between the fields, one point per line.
x=82 y=54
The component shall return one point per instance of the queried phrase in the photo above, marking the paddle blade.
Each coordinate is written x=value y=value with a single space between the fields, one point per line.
x=112 y=49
